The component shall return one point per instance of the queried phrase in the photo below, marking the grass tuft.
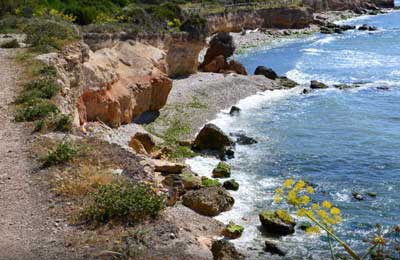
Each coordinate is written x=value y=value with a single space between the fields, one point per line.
x=64 y=152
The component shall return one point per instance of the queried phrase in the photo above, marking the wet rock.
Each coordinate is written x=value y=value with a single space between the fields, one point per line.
x=345 y=86
x=233 y=231
x=167 y=167
x=317 y=85
x=211 y=137
x=275 y=222
x=231 y=185
x=272 y=248
x=287 y=83
x=326 y=30
x=371 y=194
x=243 y=139
x=208 y=201
x=230 y=153
x=347 y=27
x=223 y=170
x=366 y=27
x=357 y=196
x=234 y=111
x=267 y=72
x=225 y=250
x=305 y=91
x=382 y=88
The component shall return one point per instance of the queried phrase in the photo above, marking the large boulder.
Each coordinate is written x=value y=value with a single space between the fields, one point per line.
x=237 y=67
x=267 y=72
x=233 y=230
x=208 y=201
x=317 y=85
x=167 y=167
x=220 y=44
x=285 y=82
x=211 y=137
x=216 y=65
x=225 y=250
x=231 y=185
x=122 y=82
x=145 y=141
x=277 y=222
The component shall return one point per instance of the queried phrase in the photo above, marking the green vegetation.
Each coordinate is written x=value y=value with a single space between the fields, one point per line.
x=64 y=152
x=123 y=202
x=233 y=230
x=223 y=170
x=54 y=122
x=35 y=110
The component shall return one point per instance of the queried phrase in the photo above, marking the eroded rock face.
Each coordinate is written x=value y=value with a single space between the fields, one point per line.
x=208 y=201
x=122 y=82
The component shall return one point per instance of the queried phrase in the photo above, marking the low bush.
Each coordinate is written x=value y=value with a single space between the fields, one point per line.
x=38 y=89
x=34 y=110
x=49 y=35
x=207 y=182
x=55 y=122
x=123 y=202
x=12 y=44
x=64 y=152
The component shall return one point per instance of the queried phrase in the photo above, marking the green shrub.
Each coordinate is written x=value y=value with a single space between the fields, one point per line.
x=123 y=202
x=64 y=152
x=84 y=15
x=38 y=89
x=10 y=44
x=35 y=109
x=49 y=35
x=55 y=122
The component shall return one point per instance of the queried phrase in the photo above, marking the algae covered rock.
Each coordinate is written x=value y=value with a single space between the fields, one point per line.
x=223 y=170
x=277 y=222
x=231 y=185
x=287 y=83
x=207 y=182
x=317 y=85
x=190 y=181
x=272 y=248
x=233 y=230
x=208 y=201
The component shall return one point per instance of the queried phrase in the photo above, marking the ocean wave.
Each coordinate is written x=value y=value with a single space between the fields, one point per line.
x=324 y=40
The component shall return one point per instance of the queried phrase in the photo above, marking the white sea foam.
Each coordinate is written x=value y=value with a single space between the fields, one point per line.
x=324 y=40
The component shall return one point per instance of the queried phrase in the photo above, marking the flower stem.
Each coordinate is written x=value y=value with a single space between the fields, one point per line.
x=330 y=246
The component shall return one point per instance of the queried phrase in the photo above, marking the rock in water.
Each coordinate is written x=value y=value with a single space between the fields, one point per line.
x=267 y=72
x=225 y=250
x=358 y=196
x=231 y=185
x=287 y=83
x=277 y=222
x=317 y=85
x=233 y=231
x=243 y=139
x=211 y=137
x=234 y=111
x=223 y=170
x=272 y=247
x=208 y=201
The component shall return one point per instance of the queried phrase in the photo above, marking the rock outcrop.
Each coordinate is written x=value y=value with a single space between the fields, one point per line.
x=267 y=72
x=225 y=250
x=208 y=201
x=341 y=5
x=122 y=82
x=211 y=137
x=236 y=21
x=275 y=223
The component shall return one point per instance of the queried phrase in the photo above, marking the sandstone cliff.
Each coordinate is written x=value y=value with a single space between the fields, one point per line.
x=264 y=18
x=340 y=5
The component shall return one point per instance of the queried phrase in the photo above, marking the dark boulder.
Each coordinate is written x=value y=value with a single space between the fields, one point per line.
x=357 y=196
x=234 y=111
x=305 y=91
x=211 y=137
x=267 y=72
x=317 y=85
x=243 y=139
x=277 y=222
x=366 y=27
x=225 y=250
x=220 y=44
x=382 y=88
x=287 y=83
x=346 y=27
x=273 y=248
x=209 y=201
x=231 y=185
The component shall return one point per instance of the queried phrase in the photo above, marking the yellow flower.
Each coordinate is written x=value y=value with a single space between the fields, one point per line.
x=310 y=189
x=301 y=212
x=305 y=200
x=288 y=183
x=335 y=211
x=338 y=219
x=315 y=206
x=379 y=239
x=326 y=204
x=292 y=197
x=277 y=198
x=300 y=185
x=322 y=214
x=279 y=191
x=313 y=229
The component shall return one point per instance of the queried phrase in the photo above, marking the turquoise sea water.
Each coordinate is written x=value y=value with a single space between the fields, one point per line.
x=341 y=141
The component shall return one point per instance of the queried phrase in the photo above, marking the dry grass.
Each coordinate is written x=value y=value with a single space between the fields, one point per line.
x=79 y=182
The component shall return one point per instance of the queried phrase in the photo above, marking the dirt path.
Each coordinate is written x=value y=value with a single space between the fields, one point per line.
x=26 y=229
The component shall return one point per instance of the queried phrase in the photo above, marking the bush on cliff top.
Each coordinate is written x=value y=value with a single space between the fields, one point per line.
x=123 y=202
